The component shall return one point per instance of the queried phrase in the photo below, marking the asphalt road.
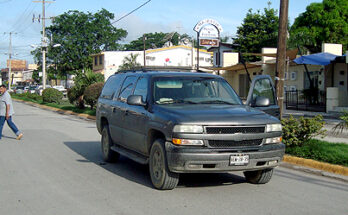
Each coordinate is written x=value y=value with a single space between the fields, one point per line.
x=56 y=169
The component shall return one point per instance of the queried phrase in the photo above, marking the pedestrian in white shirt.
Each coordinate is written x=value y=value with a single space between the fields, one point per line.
x=6 y=112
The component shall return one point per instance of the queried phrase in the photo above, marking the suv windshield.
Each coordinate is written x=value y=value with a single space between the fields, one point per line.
x=193 y=90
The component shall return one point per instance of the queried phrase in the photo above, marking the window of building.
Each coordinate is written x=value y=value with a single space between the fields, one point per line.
x=96 y=61
x=293 y=76
x=101 y=60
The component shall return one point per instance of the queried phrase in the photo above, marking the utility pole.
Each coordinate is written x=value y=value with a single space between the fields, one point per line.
x=43 y=42
x=281 y=52
x=144 y=41
x=10 y=59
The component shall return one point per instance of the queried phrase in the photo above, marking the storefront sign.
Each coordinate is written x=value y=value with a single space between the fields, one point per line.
x=209 y=42
x=209 y=31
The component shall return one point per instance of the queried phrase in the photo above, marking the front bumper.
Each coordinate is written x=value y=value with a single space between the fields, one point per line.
x=195 y=160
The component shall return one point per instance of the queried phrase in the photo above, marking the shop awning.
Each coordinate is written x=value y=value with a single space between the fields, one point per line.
x=323 y=58
x=234 y=67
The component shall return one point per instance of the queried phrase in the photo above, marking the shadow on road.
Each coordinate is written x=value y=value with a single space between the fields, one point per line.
x=138 y=173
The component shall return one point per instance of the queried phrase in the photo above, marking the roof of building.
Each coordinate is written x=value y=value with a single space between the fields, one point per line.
x=148 y=51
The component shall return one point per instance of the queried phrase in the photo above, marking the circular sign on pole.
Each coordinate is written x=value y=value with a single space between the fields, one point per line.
x=209 y=31
x=203 y=22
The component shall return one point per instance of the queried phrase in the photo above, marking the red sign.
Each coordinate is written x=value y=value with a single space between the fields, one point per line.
x=209 y=42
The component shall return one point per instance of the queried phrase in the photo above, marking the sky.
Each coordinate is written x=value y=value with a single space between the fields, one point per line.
x=156 y=16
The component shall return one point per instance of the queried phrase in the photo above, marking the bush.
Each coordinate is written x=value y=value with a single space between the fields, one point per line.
x=72 y=95
x=343 y=124
x=34 y=96
x=297 y=132
x=92 y=93
x=51 y=95
x=76 y=97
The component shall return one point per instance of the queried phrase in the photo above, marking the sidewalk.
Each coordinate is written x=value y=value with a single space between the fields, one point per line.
x=331 y=119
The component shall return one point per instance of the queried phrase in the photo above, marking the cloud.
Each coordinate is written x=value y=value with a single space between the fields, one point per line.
x=136 y=27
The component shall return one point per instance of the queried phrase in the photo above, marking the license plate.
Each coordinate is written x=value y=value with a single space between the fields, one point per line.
x=239 y=160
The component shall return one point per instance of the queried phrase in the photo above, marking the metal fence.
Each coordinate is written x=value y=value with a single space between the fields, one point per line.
x=308 y=100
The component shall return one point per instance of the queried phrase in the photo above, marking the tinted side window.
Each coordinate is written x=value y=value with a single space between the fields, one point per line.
x=141 y=88
x=111 y=86
x=127 y=88
x=263 y=87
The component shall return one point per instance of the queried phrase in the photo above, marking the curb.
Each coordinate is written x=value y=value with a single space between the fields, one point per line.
x=336 y=169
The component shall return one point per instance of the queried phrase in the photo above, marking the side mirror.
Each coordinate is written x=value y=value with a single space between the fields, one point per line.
x=135 y=100
x=262 y=101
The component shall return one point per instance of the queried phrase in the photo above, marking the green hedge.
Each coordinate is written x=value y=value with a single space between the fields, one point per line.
x=92 y=93
x=333 y=153
x=51 y=95
x=297 y=132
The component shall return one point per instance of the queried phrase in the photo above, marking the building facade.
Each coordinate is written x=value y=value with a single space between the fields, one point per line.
x=107 y=63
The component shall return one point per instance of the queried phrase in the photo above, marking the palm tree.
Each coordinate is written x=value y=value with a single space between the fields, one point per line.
x=129 y=62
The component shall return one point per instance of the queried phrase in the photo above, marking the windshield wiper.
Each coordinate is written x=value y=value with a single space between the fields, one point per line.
x=216 y=102
x=177 y=101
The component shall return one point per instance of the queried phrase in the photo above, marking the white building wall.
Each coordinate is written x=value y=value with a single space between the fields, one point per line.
x=335 y=49
x=230 y=59
x=171 y=56
x=113 y=59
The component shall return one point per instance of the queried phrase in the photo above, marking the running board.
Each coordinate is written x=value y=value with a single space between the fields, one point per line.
x=130 y=154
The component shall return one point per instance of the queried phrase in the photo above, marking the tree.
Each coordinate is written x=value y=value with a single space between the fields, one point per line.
x=79 y=35
x=129 y=62
x=258 y=30
x=154 y=40
x=82 y=81
x=321 y=22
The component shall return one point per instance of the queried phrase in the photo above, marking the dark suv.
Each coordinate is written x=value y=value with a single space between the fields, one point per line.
x=190 y=122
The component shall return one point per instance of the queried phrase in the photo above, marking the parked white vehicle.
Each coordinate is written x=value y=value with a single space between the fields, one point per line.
x=39 y=89
x=61 y=89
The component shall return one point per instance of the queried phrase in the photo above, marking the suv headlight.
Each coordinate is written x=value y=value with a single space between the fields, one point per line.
x=187 y=142
x=273 y=127
x=273 y=140
x=188 y=129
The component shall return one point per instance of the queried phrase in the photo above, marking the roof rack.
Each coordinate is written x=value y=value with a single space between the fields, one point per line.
x=162 y=69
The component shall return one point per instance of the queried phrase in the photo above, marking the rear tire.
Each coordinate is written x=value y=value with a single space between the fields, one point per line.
x=108 y=154
x=259 y=176
x=161 y=177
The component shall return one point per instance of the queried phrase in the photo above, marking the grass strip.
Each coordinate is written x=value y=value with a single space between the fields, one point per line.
x=333 y=153
x=64 y=105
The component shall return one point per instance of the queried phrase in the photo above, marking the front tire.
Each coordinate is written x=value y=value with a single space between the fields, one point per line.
x=259 y=176
x=108 y=154
x=161 y=177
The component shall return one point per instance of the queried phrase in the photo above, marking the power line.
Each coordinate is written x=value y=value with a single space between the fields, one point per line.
x=131 y=12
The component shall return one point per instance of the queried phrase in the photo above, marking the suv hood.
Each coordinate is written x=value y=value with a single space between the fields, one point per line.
x=215 y=114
